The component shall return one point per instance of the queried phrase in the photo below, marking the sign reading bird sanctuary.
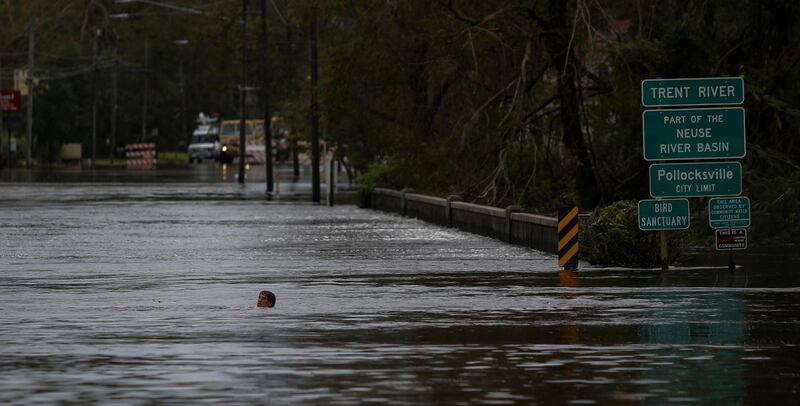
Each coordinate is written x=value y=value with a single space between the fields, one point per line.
x=709 y=133
x=696 y=179
x=692 y=91
x=663 y=214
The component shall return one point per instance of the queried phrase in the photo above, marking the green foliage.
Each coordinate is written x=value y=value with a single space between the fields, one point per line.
x=476 y=98
x=61 y=102
x=777 y=209
x=210 y=59
x=774 y=198
x=173 y=160
x=612 y=237
x=376 y=176
x=395 y=174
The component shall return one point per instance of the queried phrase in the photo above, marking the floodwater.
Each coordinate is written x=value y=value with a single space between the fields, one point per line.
x=144 y=293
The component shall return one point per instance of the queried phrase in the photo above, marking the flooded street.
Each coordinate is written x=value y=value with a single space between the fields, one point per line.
x=138 y=293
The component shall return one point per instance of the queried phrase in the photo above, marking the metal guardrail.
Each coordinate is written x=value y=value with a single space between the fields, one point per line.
x=509 y=224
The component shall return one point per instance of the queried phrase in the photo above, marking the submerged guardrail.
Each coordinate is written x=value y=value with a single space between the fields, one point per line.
x=510 y=224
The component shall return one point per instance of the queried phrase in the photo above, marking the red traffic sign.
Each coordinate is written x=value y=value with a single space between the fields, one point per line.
x=9 y=100
x=731 y=239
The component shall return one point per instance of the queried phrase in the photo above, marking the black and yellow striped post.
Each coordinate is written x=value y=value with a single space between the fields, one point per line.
x=568 y=237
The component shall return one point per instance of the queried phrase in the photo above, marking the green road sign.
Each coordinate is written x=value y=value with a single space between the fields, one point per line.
x=663 y=214
x=696 y=179
x=692 y=91
x=729 y=212
x=693 y=134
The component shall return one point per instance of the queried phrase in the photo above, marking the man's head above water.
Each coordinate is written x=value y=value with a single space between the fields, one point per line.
x=266 y=299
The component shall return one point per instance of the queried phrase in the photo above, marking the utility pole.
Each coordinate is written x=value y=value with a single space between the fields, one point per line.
x=266 y=99
x=664 y=251
x=183 y=102
x=1 y=120
x=289 y=77
x=31 y=45
x=243 y=96
x=331 y=178
x=313 y=36
x=146 y=76
x=94 y=97
x=114 y=108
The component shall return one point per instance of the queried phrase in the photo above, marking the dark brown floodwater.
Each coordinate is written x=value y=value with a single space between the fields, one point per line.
x=143 y=293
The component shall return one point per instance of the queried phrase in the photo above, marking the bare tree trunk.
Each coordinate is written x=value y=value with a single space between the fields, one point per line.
x=563 y=60
x=313 y=37
x=266 y=100
x=289 y=80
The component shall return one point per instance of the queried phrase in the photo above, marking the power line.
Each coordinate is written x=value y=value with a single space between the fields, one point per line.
x=52 y=73
x=75 y=58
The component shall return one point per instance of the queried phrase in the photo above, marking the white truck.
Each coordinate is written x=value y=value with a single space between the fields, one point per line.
x=205 y=140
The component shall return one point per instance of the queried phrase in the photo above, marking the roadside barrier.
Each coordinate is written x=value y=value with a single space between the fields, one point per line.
x=568 y=237
x=509 y=224
x=141 y=155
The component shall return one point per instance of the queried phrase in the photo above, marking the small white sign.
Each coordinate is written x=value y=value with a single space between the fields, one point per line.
x=21 y=81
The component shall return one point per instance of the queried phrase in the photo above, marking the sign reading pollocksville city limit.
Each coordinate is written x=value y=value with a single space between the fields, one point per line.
x=692 y=91
x=709 y=133
x=696 y=179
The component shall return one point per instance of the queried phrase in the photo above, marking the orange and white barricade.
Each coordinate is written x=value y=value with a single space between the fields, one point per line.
x=141 y=155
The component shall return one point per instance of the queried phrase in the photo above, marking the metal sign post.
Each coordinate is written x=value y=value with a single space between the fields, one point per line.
x=10 y=101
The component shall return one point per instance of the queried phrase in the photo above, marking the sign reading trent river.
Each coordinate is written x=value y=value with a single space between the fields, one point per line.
x=693 y=133
x=692 y=92
x=696 y=179
x=663 y=214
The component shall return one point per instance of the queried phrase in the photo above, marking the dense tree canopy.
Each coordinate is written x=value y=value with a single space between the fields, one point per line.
x=507 y=101
x=532 y=102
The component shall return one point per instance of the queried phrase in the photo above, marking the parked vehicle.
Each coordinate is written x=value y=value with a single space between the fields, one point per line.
x=205 y=143
x=254 y=139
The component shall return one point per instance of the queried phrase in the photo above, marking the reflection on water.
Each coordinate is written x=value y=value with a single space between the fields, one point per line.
x=712 y=352
x=140 y=293
x=209 y=172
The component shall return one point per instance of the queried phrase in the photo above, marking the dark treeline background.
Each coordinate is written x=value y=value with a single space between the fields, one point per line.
x=531 y=102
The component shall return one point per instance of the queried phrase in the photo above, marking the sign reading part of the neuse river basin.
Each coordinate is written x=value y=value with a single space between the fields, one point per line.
x=696 y=179
x=693 y=133
x=663 y=214
x=729 y=212
x=692 y=91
